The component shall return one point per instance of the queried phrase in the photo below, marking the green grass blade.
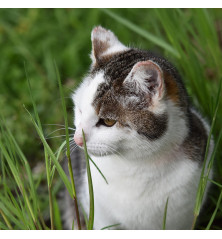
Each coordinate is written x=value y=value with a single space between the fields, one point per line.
x=58 y=153
x=209 y=166
x=28 y=170
x=10 y=202
x=12 y=213
x=215 y=211
x=58 y=220
x=6 y=220
x=158 y=41
x=64 y=108
x=32 y=100
x=51 y=154
x=98 y=169
x=203 y=180
x=48 y=168
x=68 y=148
x=214 y=182
x=110 y=226
x=3 y=226
x=84 y=215
x=165 y=214
x=51 y=209
x=18 y=180
x=90 y=185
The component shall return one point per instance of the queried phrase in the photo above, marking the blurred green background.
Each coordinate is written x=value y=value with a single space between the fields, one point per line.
x=31 y=39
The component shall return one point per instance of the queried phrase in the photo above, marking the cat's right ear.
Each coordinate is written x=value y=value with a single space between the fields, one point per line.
x=146 y=77
x=104 y=43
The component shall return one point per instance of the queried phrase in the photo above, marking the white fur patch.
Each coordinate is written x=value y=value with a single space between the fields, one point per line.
x=85 y=116
x=137 y=191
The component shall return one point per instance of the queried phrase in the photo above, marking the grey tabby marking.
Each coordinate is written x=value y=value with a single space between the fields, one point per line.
x=79 y=168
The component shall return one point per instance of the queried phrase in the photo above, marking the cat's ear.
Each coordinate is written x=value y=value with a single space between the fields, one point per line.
x=146 y=77
x=104 y=42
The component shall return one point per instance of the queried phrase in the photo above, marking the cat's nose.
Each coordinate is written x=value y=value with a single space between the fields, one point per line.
x=78 y=139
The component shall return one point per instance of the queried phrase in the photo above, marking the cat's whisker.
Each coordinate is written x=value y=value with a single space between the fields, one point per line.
x=73 y=148
x=58 y=136
x=60 y=125
x=72 y=144
x=55 y=131
x=55 y=124
x=116 y=152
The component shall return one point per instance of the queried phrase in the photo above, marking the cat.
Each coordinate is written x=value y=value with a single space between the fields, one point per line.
x=142 y=133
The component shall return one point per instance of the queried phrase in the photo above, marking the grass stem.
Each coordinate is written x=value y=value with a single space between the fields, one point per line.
x=90 y=186
x=215 y=211
x=6 y=220
x=165 y=214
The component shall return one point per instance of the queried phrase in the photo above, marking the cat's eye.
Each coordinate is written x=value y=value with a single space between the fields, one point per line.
x=106 y=122
x=109 y=122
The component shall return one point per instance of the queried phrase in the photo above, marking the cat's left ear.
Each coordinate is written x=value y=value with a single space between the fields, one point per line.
x=146 y=77
x=104 y=42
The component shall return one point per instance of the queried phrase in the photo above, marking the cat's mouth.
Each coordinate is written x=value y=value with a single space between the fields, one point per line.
x=100 y=150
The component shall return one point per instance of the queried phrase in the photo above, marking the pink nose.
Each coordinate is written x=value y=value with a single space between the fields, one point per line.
x=78 y=139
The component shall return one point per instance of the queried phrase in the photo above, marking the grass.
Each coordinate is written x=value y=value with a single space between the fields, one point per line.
x=204 y=175
x=68 y=150
x=91 y=195
x=30 y=171
x=10 y=209
x=165 y=214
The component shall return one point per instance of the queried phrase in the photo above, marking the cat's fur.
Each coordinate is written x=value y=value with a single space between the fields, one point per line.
x=153 y=152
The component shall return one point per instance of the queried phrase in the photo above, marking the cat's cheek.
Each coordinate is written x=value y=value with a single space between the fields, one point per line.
x=77 y=119
x=113 y=136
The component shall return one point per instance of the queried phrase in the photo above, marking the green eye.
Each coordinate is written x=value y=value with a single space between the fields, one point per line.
x=109 y=122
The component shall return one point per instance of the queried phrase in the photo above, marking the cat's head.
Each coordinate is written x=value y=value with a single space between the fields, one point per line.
x=131 y=102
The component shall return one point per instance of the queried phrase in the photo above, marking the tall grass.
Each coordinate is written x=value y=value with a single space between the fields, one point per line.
x=7 y=208
x=19 y=202
x=19 y=215
x=187 y=37
x=204 y=175
x=68 y=150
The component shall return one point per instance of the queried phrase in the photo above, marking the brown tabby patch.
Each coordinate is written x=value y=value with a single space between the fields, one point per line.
x=171 y=88
x=112 y=99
